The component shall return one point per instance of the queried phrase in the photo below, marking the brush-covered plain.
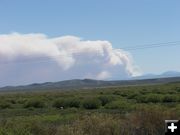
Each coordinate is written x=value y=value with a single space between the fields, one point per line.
x=129 y=110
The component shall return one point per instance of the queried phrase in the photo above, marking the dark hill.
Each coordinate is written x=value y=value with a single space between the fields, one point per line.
x=87 y=83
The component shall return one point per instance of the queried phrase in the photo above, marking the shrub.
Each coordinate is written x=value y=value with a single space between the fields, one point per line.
x=4 y=105
x=149 y=98
x=59 y=103
x=73 y=103
x=170 y=98
x=117 y=92
x=12 y=101
x=122 y=105
x=65 y=103
x=177 y=89
x=34 y=103
x=91 y=103
x=21 y=100
x=154 y=98
x=133 y=95
x=105 y=99
x=141 y=99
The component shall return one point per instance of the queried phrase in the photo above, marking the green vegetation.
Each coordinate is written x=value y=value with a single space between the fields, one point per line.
x=67 y=103
x=137 y=110
x=4 y=105
x=34 y=103
x=105 y=99
x=91 y=103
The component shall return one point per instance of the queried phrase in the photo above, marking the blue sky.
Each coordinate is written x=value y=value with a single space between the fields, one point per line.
x=122 y=22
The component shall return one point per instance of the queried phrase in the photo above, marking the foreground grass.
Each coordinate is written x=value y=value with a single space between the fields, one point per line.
x=135 y=110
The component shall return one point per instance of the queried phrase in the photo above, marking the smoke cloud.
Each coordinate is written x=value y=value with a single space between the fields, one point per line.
x=30 y=58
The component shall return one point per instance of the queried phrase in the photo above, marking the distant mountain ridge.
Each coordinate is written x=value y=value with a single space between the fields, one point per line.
x=163 y=75
x=87 y=83
x=171 y=73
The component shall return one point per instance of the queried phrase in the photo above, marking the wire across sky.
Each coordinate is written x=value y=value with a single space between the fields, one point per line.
x=128 y=48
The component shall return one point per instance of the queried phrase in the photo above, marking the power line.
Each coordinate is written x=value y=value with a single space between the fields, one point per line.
x=53 y=57
x=146 y=46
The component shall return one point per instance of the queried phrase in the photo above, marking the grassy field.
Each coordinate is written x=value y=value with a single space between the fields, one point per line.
x=133 y=110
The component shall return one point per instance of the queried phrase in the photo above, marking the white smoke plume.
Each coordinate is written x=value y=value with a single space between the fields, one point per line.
x=29 y=58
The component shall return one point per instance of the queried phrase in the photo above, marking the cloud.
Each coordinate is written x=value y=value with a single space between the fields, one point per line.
x=29 y=58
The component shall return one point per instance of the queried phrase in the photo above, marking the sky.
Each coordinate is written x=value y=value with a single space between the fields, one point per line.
x=119 y=23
